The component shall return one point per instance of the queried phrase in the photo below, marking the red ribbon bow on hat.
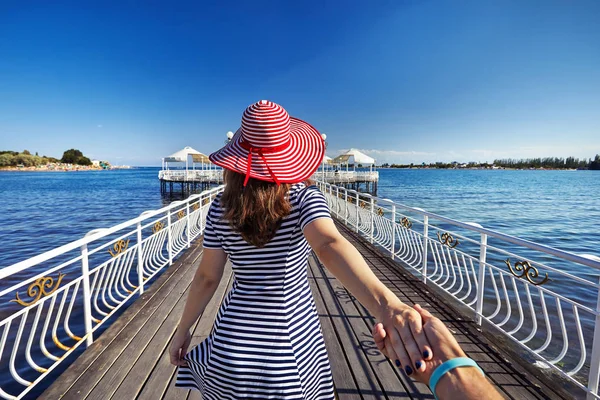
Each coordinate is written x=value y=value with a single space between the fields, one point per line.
x=260 y=151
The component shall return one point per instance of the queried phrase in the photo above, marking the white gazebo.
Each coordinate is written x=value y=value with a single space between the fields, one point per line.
x=187 y=155
x=357 y=157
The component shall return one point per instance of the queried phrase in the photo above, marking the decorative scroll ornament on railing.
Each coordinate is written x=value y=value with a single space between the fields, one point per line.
x=119 y=247
x=157 y=226
x=524 y=269
x=448 y=240
x=180 y=214
x=380 y=212
x=37 y=289
x=405 y=222
x=196 y=206
x=362 y=204
x=205 y=202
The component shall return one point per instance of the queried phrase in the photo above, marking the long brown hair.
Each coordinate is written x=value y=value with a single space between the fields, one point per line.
x=257 y=210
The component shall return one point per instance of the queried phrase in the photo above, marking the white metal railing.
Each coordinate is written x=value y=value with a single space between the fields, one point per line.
x=545 y=300
x=346 y=176
x=217 y=176
x=55 y=301
x=199 y=175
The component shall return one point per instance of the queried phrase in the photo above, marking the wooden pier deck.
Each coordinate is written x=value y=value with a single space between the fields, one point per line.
x=130 y=360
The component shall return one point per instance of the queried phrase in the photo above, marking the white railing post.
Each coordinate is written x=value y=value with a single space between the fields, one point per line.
x=200 y=206
x=140 y=255
x=357 y=210
x=594 y=375
x=346 y=207
x=372 y=230
x=337 y=201
x=393 y=245
x=87 y=296
x=169 y=237
x=187 y=215
x=480 y=279
x=425 y=247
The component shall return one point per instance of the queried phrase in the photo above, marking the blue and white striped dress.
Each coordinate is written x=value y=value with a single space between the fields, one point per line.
x=266 y=342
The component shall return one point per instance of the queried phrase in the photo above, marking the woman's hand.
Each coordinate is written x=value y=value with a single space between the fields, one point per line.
x=442 y=342
x=400 y=337
x=179 y=346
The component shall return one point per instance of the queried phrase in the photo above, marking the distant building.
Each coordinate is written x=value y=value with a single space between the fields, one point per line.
x=96 y=163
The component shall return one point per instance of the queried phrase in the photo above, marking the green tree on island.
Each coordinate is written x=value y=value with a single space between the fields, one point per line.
x=74 y=156
x=595 y=165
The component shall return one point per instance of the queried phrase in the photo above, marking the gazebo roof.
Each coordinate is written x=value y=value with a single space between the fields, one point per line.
x=182 y=155
x=359 y=158
x=327 y=160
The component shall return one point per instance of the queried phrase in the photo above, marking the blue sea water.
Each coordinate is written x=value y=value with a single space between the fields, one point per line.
x=42 y=210
x=560 y=209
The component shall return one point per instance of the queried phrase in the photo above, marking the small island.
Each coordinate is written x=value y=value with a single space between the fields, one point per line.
x=72 y=160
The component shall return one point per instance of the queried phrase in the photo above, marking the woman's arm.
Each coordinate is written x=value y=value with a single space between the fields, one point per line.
x=406 y=342
x=203 y=287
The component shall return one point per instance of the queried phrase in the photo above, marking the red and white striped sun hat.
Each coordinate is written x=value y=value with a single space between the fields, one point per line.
x=272 y=146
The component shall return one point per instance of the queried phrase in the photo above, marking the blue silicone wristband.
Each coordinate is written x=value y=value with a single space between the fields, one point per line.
x=448 y=366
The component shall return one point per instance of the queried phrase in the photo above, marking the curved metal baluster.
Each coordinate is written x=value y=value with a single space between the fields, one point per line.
x=547 y=321
x=154 y=260
x=533 y=317
x=13 y=354
x=96 y=286
x=435 y=254
x=418 y=248
x=413 y=251
x=108 y=284
x=127 y=286
x=462 y=283
x=57 y=320
x=125 y=282
x=119 y=268
x=519 y=306
x=581 y=343
x=496 y=292
x=509 y=308
x=471 y=275
x=150 y=254
x=161 y=259
x=45 y=330
x=445 y=263
x=69 y=310
x=28 y=357
x=3 y=394
x=563 y=329
x=468 y=278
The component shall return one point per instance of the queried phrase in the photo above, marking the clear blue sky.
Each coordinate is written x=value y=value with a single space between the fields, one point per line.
x=406 y=81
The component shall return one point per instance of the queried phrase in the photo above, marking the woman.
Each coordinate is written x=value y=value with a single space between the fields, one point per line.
x=266 y=341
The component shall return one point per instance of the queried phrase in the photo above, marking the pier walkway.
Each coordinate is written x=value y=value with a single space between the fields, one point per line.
x=130 y=359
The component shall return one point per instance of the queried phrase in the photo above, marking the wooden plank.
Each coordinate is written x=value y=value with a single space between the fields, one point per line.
x=342 y=376
x=395 y=383
x=162 y=383
x=143 y=306
x=366 y=381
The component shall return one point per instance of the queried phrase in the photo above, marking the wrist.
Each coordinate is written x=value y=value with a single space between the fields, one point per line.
x=387 y=306
x=456 y=378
